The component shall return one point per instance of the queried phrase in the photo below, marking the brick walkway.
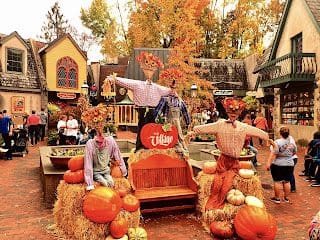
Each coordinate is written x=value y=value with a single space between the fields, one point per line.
x=23 y=216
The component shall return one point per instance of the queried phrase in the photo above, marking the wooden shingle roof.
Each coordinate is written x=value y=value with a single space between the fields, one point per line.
x=314 y=6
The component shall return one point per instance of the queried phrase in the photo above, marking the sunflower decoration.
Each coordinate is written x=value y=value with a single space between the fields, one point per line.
x=83 y=103
x=95 y=117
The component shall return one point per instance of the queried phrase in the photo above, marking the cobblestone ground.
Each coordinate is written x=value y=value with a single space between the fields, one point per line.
x=23 y=215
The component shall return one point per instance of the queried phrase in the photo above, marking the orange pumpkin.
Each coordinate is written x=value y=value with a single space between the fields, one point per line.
x=73 y=177
x=209 y=167
x=255 y=223
x=245 y=164
x=130 y=203
x=122 y=192
x=153 y=136
x=116 y=172
x=221 y=229
x=102 y=205
x=76 y=163
x=119 y=227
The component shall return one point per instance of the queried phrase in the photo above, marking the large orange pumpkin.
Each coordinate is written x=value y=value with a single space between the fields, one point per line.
x=255 y=223
x=76 y=163
x=130 y=203
x=74 y=177
x=102 y=205
x=119 y=227
x=152 y=136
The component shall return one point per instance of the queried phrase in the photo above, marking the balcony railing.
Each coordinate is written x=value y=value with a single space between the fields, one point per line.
x=300 y=67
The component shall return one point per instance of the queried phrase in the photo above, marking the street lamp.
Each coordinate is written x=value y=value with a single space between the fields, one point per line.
x=194 y=90
x=84 y=89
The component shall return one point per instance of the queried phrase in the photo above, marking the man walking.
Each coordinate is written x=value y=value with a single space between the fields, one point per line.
x=33 y=122
x=43 y=123
x=6 y=128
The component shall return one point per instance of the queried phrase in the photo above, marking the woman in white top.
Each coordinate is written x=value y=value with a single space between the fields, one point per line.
x=61 y=126
x=72 y=129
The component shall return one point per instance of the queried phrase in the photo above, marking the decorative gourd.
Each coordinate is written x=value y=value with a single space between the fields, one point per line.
x=235 y=197
x=245 y=164
x=125 y=237
x=221 y=229
x=209 y=167
x=102 y=205
x=76 y=163
x=246 y=173
x=119 y=227
x=138 y=233
x=130 y=203
x=254 y=201
x=73 y=177
x=255 y=223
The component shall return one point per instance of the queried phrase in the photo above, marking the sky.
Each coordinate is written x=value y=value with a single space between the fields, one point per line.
x=28 y=16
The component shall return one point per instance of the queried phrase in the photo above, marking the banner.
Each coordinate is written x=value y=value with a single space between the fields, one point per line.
x=17 y=104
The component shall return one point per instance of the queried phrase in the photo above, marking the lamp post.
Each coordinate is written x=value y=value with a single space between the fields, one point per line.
x=84 y=89
x=194 y=90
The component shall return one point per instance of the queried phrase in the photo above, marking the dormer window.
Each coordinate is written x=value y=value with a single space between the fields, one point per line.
x=67 y=73
x=14 y=60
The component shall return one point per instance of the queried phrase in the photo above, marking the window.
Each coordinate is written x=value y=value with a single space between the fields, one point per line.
x=14 y=60
x=67 y=73
x=298 y=108
x=297 y=48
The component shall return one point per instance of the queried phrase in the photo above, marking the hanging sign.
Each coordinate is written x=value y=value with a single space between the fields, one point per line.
x=157 y=136
x=17 y=104
x=64 y=95
x=223 y=92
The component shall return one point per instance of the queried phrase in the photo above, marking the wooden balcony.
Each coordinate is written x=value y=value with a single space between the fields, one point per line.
x=293 y=67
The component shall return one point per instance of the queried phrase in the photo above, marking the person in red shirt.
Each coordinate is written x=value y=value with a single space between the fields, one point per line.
x=33 y=122
x=261 y=123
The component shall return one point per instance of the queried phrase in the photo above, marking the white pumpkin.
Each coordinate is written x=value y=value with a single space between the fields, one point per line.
x=235 y=197
x=246 y=173
x=209 y=167
x=254 y=201
x=125 y=237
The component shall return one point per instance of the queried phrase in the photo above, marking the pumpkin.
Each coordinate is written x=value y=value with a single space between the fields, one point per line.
x=138 y=233
x=130 y=203
x=255 y=223
x=245 y=164
x=116 y=172
x=73 y=177
x=125 y=237
x=76 y=163
x=209 y=167
x=221 y=229
x=101 y=205
x=152 y=136
x=235 y=197
x=119 y=227
x=254 y=201
x=246 y=173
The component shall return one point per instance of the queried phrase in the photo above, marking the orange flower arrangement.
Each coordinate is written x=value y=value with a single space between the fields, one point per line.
x=171 y=74
x=149 y=60
x=95 y=117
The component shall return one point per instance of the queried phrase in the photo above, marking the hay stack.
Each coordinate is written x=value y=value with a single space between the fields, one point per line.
x=145 y=153
x=69 y=220
x=251 y=186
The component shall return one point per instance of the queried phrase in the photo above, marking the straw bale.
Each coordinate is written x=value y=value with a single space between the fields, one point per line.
x=204 y=189
x=249 y=186
x=70 y=223
x=122 y=183
x=145 y=153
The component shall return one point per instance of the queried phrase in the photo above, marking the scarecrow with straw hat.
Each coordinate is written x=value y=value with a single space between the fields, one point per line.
x=230 y=136
x=100 y=150
x=146 y=94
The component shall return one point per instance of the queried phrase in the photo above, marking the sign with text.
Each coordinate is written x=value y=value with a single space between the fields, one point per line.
x=17 y=104
x=223 y=92
x=64 y=95
x=157 y=136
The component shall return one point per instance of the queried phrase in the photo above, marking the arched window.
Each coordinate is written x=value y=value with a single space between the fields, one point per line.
x=67 y=73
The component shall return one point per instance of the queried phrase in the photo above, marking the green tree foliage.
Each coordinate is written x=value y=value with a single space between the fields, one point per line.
x=55 y=26
x=251 y=103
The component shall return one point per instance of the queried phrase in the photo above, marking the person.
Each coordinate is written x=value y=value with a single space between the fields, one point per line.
x=146 y=95
x=247 y=120
x=72 y=129
x=230 y=136
x=174 y=110
x=280 y=163
x=261 y=123
x=6 y=129
x=295 y=161
x=33 y=122
x=62 y=127
x=251 y=148
x=43 y=123
x=99 y=152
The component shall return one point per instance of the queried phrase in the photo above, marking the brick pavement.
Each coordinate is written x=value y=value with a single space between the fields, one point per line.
x=23 y=215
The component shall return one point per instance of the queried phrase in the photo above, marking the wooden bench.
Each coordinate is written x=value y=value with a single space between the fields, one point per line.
x=163 y=183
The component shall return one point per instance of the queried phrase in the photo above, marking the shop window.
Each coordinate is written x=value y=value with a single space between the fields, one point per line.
x=67 y=73
x=14 y=60
x=298 y=108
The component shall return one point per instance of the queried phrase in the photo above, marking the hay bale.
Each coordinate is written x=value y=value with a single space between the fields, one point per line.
x=145 y=153
x=249 y=186
x=70 y=223
x=204 y=190
x=122 y=183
